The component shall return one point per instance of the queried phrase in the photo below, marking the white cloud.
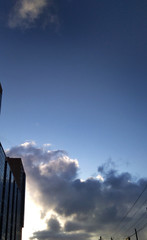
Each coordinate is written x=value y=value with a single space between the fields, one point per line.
x=99 y=177
x=28 y=144
x=46 y=144
x=80 y=209
x=26 y=12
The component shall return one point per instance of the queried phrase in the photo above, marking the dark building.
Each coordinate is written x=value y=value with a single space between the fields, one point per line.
x=12 y=197
x=0 y=96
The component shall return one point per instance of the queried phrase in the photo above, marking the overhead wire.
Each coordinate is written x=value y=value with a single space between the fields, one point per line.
x=139 y=208
x=141 y=205
x=130 y=209
x=145 y=225
x=143 y=215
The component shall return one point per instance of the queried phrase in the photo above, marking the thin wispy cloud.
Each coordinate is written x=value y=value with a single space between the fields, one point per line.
x=82 y=209
x=25 y=13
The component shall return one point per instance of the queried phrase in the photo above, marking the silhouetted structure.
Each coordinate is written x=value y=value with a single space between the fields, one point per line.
x=0 y=96
x=12 y=196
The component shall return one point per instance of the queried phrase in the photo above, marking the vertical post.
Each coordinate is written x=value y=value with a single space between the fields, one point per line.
x=136 y=234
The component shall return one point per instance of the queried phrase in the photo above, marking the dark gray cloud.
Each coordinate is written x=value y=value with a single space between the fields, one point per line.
x=53 y=224
x=47 y=235
x=54 y=231
x=89 y=208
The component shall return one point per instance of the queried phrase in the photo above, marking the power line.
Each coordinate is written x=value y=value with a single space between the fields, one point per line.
x=139 y=208
x=143 y=215
x=123 y=218
x=145 y=225
x=126 y=229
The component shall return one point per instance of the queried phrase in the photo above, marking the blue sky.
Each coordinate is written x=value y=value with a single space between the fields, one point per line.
x=79 y=83
x=74 y=75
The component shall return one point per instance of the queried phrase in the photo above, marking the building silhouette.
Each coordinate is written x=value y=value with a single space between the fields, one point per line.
x=0 y=96
x=12 y=195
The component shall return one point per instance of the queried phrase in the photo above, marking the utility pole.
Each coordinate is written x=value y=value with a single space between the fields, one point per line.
x=136 y=234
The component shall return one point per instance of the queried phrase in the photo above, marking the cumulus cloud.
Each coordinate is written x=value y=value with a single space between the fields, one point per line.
x=83 y=209
x=54 y=231
x=26 y=12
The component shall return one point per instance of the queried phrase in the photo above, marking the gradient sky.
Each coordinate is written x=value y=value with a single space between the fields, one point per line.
x=74 y=75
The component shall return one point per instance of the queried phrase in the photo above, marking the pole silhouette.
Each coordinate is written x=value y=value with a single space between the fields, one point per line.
x=136 y=234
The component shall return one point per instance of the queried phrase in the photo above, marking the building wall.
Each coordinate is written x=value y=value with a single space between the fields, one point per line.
x=19 y=196
x=12 y=198
x=2 y=166
x=12 y=195
x=2 y=170
x=5 y=199
x=0 y=96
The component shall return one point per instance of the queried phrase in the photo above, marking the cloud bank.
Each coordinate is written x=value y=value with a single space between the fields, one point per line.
x=81 y=209
x=26 y=12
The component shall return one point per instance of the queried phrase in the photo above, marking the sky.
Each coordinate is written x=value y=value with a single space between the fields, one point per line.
x=74 y=108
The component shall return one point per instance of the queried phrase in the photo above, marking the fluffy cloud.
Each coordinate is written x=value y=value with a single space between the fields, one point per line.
x=87 y=208
x=54 y=232
x=26 y=12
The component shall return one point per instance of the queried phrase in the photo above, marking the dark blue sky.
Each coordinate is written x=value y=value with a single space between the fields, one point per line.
x=74 y=75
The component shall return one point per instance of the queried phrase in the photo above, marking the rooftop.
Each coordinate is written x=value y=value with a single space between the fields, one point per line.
x=17 y=169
